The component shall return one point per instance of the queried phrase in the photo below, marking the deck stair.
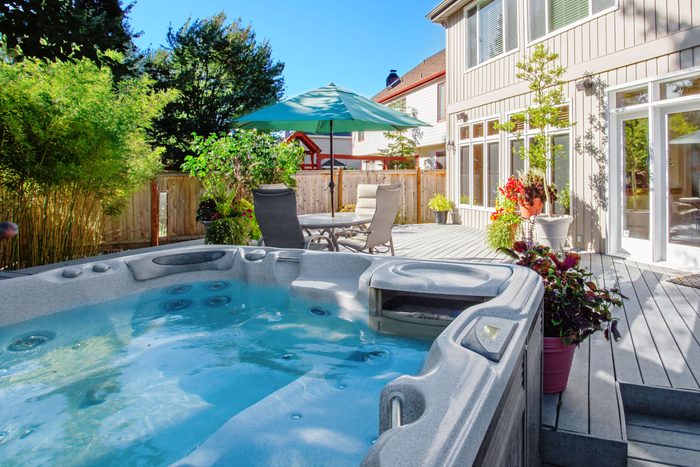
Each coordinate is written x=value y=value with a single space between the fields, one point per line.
x=663 y=425
x=633 y=402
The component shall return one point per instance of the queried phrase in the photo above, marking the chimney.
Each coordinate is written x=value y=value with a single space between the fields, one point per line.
x=393 y=79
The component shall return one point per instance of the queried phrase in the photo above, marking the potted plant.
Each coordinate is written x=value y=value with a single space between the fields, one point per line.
x=574 y=307
x=441 y=206
x=545 y=82
x=206 y=211
x=531 y=193
x=501 y=232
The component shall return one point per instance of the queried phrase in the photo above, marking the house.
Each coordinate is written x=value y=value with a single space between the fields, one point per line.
x=632 y=82
x=317 y=149
x=421 y=91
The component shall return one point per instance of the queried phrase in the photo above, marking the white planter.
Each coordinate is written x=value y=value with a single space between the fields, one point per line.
x=553 y=231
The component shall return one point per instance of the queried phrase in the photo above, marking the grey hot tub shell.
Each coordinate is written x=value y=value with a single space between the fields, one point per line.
x=477 y=398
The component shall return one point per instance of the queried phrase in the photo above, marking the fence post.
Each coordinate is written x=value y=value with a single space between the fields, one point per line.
x=419 y=200
x=155 y=214
x=340 y=189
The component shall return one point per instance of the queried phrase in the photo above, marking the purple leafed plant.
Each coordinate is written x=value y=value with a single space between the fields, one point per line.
x=574 y=306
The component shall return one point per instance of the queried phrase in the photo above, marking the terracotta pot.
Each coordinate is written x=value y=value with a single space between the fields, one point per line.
x=556 y=365
x=534 y=209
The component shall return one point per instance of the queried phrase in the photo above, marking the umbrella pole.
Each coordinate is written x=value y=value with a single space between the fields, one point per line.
x=331 y=185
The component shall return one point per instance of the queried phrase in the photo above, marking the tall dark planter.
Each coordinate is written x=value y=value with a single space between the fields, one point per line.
x=441 y=217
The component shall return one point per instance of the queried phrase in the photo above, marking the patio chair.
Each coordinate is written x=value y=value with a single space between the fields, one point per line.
x=366 y=199
x=378 y=232
x=276 y=213
x=366 y=202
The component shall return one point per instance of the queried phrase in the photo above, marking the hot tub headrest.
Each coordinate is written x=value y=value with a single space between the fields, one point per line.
x=448 y=278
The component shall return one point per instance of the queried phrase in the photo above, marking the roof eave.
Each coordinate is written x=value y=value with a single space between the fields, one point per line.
x=440 y=13
x=411 y=87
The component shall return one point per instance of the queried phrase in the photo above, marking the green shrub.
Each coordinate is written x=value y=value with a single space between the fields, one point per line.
x=440 y=203
x=228 y=231
x=500 y=235
x=73 y=147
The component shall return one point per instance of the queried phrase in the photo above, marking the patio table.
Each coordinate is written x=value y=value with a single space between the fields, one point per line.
x=327 y=224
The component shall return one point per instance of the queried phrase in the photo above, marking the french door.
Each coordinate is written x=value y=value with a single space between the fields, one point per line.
x=636 y=222
x=681 y=149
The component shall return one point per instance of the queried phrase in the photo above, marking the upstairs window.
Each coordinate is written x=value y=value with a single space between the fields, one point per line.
x=441 y=102
x=492 y=29
x=360 y=136
x=549 y=15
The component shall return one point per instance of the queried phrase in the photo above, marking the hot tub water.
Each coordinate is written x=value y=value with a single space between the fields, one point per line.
x=146 y=379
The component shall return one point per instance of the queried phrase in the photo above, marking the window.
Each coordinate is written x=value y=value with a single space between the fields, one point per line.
x=360 y=136
x=479 y=164
x=464 y=175
x=492 y=167
x=633 y=97
x=441 y=102
x=560 y=169
x=559 y=137
x=680 y=88
x=549 y=15
x=492 y=29
x=517 y=164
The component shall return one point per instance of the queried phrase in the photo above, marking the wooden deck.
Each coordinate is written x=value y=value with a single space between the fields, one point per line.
x=660 y=347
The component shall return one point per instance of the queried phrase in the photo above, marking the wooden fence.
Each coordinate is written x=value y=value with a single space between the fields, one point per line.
x=417 y=187
x=175 y=197
x=164 y=210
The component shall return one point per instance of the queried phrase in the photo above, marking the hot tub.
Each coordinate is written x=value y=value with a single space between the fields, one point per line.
x=246 y=356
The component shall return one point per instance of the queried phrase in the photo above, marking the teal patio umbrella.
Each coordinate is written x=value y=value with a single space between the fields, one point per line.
x=325 y=110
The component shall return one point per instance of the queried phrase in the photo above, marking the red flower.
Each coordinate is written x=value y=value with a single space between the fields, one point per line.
x=513 y=189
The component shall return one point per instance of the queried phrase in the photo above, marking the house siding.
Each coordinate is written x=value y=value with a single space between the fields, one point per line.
x=424 y=101
x=639 y=39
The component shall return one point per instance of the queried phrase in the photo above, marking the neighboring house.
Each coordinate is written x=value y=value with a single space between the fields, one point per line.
x=642 y=197
x=317 y=150
x=422 y=90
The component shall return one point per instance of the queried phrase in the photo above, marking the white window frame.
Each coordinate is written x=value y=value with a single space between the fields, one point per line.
x=550 y=34
x=653 y=110
x=503 y=54
x=513 y=137
x=470 y=142
x=550 y=132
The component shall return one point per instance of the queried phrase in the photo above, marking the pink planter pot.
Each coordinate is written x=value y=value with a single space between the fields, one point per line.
x=556 y=365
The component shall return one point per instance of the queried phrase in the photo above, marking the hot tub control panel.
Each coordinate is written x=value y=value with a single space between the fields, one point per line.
x=489 y=336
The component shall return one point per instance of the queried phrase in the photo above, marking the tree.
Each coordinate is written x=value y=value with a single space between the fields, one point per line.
x=545 y=82
x=221 y=73
x=231 y=165
x=63 y=29
x=73 y=146
x=399 y=144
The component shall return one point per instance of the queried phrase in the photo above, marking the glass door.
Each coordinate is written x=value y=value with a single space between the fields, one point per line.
x=636 y=222
x=682 y=138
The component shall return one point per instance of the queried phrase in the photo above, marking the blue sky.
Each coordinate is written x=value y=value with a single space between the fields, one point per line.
x=353 y=43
